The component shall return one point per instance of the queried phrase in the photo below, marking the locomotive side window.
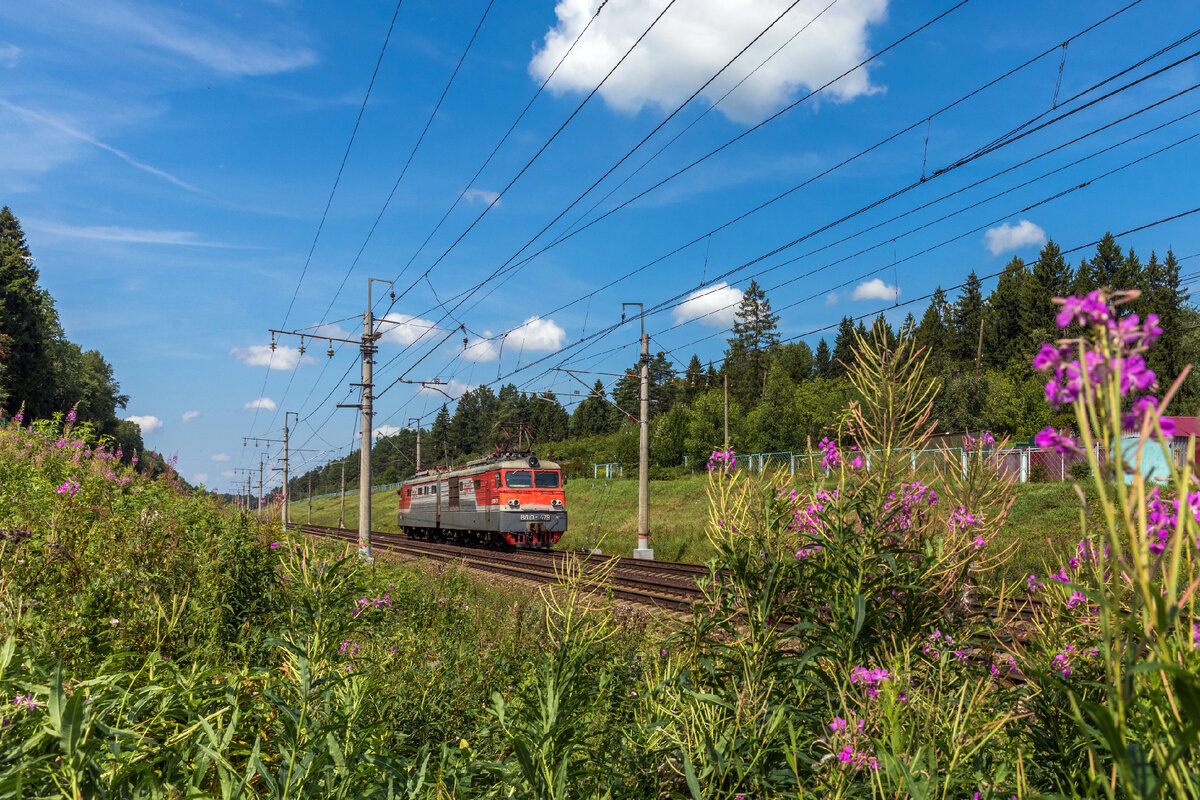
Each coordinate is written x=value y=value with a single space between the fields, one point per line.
x=545 y=479
x=519 y=478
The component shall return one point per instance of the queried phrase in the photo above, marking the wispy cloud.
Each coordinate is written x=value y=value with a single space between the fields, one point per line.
x=9 y=54
x=261 y=355
x=483 y=196
x=70 y=130
x=188 y=416
x=189 y=35
x=114 y=233
x=221 y=457
x=265 y=403
x=200 y=477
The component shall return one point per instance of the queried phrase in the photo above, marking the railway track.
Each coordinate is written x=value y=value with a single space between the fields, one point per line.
x=667 y=585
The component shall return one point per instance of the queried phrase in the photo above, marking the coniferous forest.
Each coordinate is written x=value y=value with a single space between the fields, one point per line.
x=783 y=394
x=41 y=371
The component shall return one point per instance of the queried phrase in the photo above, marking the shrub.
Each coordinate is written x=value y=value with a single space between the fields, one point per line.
x=1080 y=471
x=1039 y=474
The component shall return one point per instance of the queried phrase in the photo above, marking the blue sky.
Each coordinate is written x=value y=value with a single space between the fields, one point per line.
x=171 y=164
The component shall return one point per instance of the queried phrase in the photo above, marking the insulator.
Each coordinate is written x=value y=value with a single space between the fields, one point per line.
x=301 y=346
x=272 y=344
x=329 y=352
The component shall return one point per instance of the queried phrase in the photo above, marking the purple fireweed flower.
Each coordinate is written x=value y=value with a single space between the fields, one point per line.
x=960 y=519
x=832 y=458
x=1090 y=310
x=1136 y=375
x=1033 y=584
x=1048 y=358
x=1052 y=439
x=70 y=416
x=69 y=488
x=838 y=725
x=805 y=552
x=274 y=545
x=870 y=679
x=26 y=701
x=1075 y=599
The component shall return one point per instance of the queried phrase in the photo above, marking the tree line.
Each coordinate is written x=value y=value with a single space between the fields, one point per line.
x=42 y=372
x=785 y=395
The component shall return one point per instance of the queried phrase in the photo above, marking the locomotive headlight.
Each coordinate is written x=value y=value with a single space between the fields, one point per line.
x=556 y=503
x=514 y=503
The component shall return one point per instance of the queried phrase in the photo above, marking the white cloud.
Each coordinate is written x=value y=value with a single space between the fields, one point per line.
x=227 y=473
x=405 y=329
x=9 y=53
x=73 y=132
x=482 y=196
x=539 y=334
x=147 y=423
x=265 y=403
x=260 y=355
x=535 y=333
x=875 y=289
x=696 y=38
x=714 y=305
x=831 y=298
x=113 y=233
x=188 y=416
x=220 y=457
x=1014 y=237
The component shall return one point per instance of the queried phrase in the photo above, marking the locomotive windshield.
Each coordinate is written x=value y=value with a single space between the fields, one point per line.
x=519 y=478
x=528 y=479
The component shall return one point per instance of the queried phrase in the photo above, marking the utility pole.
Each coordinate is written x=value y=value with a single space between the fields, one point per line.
x=287 y=513
x=261 y=456
x=979 y=349
x=643 y=550
x=342 y=512
x=417 y=420
x=310 y=500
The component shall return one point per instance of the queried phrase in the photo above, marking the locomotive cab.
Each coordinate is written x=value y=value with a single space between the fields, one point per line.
x=510 y=499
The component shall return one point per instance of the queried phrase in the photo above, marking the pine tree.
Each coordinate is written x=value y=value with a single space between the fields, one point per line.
x=439 y=434
x=933 y=333
x=28 y=324
x=1050 y=277
x=823 y=361
x=1006 y=337
x=843 y=348
x=593 y=417
x=968 y=317
x=749 y=352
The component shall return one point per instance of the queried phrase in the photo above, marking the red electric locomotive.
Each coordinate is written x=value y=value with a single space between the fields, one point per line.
x=506 y=499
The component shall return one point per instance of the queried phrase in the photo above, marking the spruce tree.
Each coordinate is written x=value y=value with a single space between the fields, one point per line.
x=1050 y=277
x=968 y=316
x=933 y=333
x=822 y=360
x=843 y=348
x=749 y=352
x=28 y=324
x=1006 y=337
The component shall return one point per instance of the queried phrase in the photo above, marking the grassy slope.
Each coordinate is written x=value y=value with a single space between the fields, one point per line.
x=1042 y=526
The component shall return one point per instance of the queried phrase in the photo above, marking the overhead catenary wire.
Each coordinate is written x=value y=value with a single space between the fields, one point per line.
x=899 y=192
x=778 y=197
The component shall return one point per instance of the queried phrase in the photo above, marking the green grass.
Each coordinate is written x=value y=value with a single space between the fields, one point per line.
x=1042 y=527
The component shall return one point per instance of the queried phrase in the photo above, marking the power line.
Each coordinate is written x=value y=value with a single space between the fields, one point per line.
x=893 y=195
x=760 y=207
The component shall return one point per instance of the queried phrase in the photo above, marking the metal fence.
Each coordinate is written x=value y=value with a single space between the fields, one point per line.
x=1024 y=463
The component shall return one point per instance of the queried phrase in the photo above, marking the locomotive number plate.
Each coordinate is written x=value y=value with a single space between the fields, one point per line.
x=535 y=518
